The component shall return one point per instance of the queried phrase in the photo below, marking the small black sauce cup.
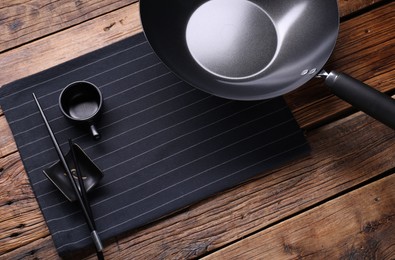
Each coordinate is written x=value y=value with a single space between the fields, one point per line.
x=81 y=102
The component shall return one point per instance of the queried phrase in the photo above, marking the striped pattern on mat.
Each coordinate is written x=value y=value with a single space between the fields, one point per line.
x=164 y=145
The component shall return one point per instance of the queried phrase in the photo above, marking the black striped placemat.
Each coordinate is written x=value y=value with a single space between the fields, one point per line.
x=165 y=144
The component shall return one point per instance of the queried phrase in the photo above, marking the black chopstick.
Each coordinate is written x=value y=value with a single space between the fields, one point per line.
x=84 y=196
x=88 y=219
x=85 y=201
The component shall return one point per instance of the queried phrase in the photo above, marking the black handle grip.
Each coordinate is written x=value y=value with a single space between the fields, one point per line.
x=363 y=97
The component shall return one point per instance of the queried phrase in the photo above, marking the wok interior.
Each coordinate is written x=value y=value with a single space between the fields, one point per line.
x=242 y=49
x=238 y=42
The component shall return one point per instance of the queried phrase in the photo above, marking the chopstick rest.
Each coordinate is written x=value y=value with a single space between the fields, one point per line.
x=91 y=173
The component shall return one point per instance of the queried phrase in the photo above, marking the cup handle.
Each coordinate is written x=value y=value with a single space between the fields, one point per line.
x=94 y=132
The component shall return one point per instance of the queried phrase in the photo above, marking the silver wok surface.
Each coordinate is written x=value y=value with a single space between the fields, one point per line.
x=240 y=49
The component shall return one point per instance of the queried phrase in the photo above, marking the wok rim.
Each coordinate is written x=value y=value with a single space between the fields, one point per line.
x=307 y=75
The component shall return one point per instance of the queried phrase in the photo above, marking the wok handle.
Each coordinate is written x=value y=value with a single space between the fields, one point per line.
x=363 y=97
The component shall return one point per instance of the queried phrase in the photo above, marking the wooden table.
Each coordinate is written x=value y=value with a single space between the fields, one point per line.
x=337 y=203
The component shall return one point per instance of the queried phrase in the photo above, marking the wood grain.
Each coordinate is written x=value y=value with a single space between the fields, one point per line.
x=347 y=7
x=68 y=44
x=345 y=152
x=21 y=221
x=23 y=21
x=358 y=225
x=7 y=142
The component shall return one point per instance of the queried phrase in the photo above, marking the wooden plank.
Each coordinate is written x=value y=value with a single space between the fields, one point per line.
x=28 y=20
x=7 y=142
x=21 y=221
x=68 y=44
x=358 y=225
x=344 y=154
x=347 y=8
x=42 y=248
